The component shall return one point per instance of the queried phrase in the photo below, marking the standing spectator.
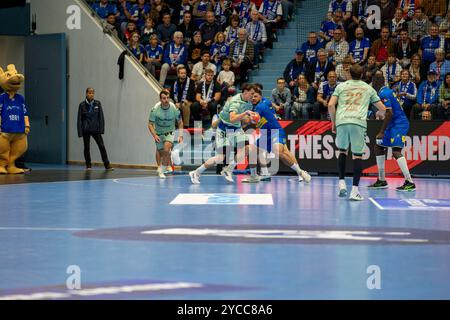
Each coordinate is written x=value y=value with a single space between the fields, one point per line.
x=139 y=13
x=226 y=79
x=417 y=70
x=148 y=31
x=427 y=98
x=441 y=66
x=209 y=29
x=220 y=50
x=183 y=94
x=419 y=25
x=327 y=28
x=175 y=53
x=405 y=49
x=136 y=47
x=311 y=47
x=181 y=9
x=434 y=9
x=199 y=69
x=242 y=10
x=345 y=6
x=359 y=48
x=444 y=99
x=195 y=50
x=406 y=92
x=271 y=14
x=242 y=54
x=187 y=27
x=382 y=47
x=387 y=11
x=91 y=122
x=158 y=10
x=337 y=48
x=325 y=92
x=232 y=30
x=111 y=25
x=124 y=9
x=201 y=7
x=207 y=97
x=131 y=28
x=318 y=71
x=104 y=8
x=429 y=44
x=282 y=99
x=343 y=70
x=407 y=7
x=304 y=106
x=391 y=71
x=153 y=55
x=294 y=68
x=222 y=11
x=166 y=30
x=397 y=24
x=256 y=31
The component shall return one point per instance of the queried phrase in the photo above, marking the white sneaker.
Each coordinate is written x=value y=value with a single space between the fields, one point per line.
x=306 y=176
x=195 y=177
x=265 y=177
x=251 y=179
x=300 y=179
x=168 y=169
x=227 y=174
x=161 y=174
x=355 y=196
x=342 y=193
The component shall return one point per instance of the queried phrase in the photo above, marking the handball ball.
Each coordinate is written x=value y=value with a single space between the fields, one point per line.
x=255 y=118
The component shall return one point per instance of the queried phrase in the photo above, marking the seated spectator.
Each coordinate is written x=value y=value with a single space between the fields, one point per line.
x=131 y=28
x=419 y=25
x=405 y=49
x=153 y=55
x=136 y=47
x=391 y=70
x=359 y=48
x=445 y=24
x=406 y=92
x=282 y=100
x=407 y=7
x=288 y=10
x=181 y=9
x=382 y=47
x=242 y=10
x=397 y=24
x=343 y=70
x=220 y=50
x=111 y=25
x=165 y=30
x=318 y=72
x=195 y=49
x=325 y=92
x=226 y=79
x=148 y=31
x=441 y=66
x=304 y=106
x=434 y=9
x=256 y=31
x=158 y=9
x=208 y=95
x=294 y=68
x=359 y=14
x=222 y=11
x=199 y=12
x=175 y=53
x=123 y=9
x=139 y=12
x=232 y=30
x=444 y=99
x=337 y=48
x=271 y=13
x=183 y=94
x=417 y=70
x=429 y=44
x=187 y=27
x=369 y=69
x=199 y=69
x=328 y=27
x=209 y=29
x=345 y=6
x=311 y=47
x=242 y=54
x=427 y=99
x=387 y=11
x=104 y=8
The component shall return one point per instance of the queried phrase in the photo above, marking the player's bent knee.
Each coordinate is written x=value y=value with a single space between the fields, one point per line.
x=397 y=153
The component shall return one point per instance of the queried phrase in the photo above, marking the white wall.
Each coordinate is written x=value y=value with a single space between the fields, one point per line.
x=92 y=62
x=12 y=52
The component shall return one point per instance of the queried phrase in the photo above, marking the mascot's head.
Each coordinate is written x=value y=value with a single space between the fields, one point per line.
x=10 y=80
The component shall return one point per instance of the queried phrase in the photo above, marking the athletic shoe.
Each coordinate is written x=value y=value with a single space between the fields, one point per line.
x=252 y=179
x=407 y=186
x=265 y=178
x=379 y=184
x=168 y=170
x=342 y=193
x=88 y=168
x=355 y=196
x=161 y=174
x=227 y=174
x=195 y=177
x=305 y=175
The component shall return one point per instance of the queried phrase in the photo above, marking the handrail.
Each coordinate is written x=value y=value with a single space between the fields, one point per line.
x=102 y=23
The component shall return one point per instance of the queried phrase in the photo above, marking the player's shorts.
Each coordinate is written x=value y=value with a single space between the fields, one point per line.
x=394 y=137
x=229 y=137
x=273 y=137
x=168 y=137
x=351 y=135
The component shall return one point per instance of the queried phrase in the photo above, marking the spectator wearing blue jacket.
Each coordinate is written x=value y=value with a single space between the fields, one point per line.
x=359 y=48
x=295 y=67
x=311 y=46
x=429 y=44
x=441 y=66
x=427 y=98
x=104 y=8
x=175 y=53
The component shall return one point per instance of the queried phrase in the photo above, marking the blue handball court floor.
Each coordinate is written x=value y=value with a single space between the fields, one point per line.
x=67 y=234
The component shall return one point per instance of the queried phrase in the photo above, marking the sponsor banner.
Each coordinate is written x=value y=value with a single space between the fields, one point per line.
x=412 y=204
x=223 y=199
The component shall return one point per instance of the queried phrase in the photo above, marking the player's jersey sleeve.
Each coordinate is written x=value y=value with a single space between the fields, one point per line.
x=338 y=90
x=152 y=117
x=374 y=98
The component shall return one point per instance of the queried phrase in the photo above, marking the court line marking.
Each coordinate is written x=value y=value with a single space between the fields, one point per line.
x=376 y=203
x=43 y=229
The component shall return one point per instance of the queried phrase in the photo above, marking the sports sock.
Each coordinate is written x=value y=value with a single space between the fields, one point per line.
x=380 y=165
x=404 y=167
